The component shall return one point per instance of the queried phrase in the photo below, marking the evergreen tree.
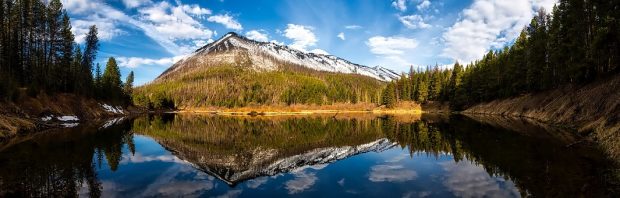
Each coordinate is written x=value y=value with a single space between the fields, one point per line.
x=66 y=52
x=422 y=88
x=111 y=81
x=90 y=53
x=455 y=80
x=97 y=81
x=77 y=68
x=128 y=88
x=389 y=95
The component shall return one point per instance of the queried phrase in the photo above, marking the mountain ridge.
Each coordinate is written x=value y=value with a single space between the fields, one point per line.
x=269 y=56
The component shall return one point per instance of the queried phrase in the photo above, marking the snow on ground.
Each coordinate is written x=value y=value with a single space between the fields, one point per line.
x=112 y=122
x=70 y=125
x=111 y=109
x=68 y=118
x=47 y=118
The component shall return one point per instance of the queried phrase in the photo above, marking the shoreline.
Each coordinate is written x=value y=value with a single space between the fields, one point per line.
x=300 y=112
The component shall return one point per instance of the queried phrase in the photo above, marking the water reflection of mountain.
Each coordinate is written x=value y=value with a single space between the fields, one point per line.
x=235 y=149
x=61 y=163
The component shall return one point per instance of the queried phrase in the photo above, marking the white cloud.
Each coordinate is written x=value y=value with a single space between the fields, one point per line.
x=353 y=27
x=135 y=3
x=106 y=28
x=390 y=45
x=170 y=26
x=341 y=182
x=195 y=10
x=231 y=194
x=173 y=22
x=400 y=5
x=391 y=173
x=341 y=36
x=226 y=20
x=414 y=22
x=139 y=158
x=319 y=51
x=302 y=36
x=257 y=35
x=391 y=49
x=255 y=183
x=486 y=24
x=423 y=5
x=302 y=182
x=79 y=5
x=200 y=43
x=134 y=62
x=465 y=179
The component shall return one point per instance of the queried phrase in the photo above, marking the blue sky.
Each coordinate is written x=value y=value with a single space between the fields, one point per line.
x=148 y=36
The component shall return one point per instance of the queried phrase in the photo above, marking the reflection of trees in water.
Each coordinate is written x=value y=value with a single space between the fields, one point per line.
x=226 y=136
x=58 y=163
x=538 y=165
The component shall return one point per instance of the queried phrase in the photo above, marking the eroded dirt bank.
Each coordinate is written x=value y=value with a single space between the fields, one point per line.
x=61 y=110
x=593 y=110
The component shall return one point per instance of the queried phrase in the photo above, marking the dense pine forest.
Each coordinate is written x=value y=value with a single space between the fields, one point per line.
x=39 y=55
x=577 y=43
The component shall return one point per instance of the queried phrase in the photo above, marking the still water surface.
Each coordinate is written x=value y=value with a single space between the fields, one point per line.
x=312 y=156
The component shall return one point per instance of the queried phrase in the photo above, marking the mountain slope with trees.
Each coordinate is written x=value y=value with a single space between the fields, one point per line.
x=237 y=72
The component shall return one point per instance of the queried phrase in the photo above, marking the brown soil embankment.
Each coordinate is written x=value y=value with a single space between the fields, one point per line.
x=593 y=110
x=35 y=113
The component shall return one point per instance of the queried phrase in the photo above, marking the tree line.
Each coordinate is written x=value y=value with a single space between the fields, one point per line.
x=38 y=54
x=577 y=43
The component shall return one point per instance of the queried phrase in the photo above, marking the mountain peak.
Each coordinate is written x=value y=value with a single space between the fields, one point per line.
x=270 y=56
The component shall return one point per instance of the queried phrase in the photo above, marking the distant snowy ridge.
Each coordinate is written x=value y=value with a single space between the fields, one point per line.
x=313 y=158
x=262 y=53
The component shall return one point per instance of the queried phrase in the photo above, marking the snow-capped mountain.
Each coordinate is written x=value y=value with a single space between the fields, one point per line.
x=265 y=162
x=263 y=56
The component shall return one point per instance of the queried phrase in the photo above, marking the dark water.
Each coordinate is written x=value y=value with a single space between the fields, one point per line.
x=346 y=156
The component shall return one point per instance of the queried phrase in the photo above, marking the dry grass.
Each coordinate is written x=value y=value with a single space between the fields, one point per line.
x=338 y=108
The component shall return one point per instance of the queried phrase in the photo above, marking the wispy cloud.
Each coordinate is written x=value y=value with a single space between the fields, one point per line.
x=341 y=36
x=226 y=20
x=168 y=25
x=413 y=22
x=353 y=27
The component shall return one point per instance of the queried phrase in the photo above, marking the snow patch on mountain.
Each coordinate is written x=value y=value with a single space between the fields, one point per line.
x=262 y=54
x=314 y=158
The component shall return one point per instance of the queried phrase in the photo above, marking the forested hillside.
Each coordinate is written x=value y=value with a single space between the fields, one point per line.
x=577 y=43
x=239 y=86
x=38 y=54
x=238 y=72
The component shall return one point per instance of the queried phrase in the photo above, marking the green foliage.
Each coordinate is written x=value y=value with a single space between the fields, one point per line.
x=38 y=52
x=389 y=96
x=111 y=85
x=128 y=86
x=232 y=86
x=577 y=43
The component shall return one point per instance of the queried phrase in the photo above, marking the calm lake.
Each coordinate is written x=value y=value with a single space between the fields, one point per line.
x=186 y=155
